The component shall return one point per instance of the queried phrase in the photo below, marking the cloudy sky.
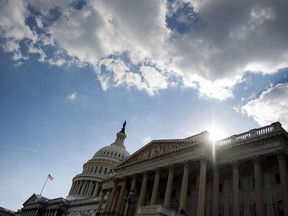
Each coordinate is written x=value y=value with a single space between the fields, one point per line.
x=73 y=71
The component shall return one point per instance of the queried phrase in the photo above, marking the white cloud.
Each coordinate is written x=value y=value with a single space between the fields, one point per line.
x=211 y=56
x=72 y=96
x=13 y=47
x=117 y=73
x=154 y=79
x=271 y=106
x=12 y=21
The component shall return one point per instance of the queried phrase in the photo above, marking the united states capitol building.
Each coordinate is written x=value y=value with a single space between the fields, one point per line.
x=244 y=174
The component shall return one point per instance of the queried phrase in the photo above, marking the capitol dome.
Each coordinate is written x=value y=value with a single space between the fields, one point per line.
x=112 y=151
x=89 y=182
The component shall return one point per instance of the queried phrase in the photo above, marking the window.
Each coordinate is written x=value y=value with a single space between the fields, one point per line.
x=100 y=170
x=105 y=170
x=277 y=178
x=220 y=187
x=96 y=169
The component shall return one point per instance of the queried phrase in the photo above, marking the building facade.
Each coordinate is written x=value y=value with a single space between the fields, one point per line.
x=245 y=174
x=242 y=175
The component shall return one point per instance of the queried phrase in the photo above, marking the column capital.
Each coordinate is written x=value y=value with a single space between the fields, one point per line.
x=133 y=175
x=235 y=163
x=281 y=155
x=171 y=168
x=203 y=159
x=146 y=173
x=186 y=163
x=256 y=159
x=158 y=170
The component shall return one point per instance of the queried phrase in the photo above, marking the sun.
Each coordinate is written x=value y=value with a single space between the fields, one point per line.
x=216 y=132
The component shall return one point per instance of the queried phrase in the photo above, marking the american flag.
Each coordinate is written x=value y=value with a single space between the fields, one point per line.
x=50 y=177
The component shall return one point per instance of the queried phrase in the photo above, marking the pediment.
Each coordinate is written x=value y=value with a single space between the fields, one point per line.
x=159 y=148
x=33 y=199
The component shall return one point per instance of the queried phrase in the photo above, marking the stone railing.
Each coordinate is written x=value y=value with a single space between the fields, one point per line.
x=250 y=134
x=152 y=209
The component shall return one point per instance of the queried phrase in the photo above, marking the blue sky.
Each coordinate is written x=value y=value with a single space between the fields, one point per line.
x=73 y=71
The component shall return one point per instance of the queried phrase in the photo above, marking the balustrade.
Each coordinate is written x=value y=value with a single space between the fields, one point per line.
x=251 y=134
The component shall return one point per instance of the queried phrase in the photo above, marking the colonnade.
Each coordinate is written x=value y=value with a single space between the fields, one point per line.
x=34 y=212
x=116 y=203
x=84 y=188
x=259 y=198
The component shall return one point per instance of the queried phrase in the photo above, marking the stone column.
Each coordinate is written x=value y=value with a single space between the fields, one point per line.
x=143 y=190
x=169 y=185
x=101 y=201
x=202 y=188
x=111 y=197
x=36 y=212
x=284 y=181
x=155 y=188
x=236 y=204
x=121 y=197
x=258 y=187
x=75 y=188
x=83 y=183
x=133 y=184
x=88 y=191
x=79 y=187
x=184 y=188
x=115 y=200
x=71 y=189
x=215 y=196
x=96 y=189
x=133 y=187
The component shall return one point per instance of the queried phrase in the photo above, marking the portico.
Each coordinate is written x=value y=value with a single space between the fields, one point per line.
x=180 y=176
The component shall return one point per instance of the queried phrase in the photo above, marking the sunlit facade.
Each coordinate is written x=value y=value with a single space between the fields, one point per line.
x=245 y=174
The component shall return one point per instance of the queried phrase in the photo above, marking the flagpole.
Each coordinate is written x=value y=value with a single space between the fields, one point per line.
x=44 y=185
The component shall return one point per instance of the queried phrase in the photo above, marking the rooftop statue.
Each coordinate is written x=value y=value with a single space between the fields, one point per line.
x=123 y=128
